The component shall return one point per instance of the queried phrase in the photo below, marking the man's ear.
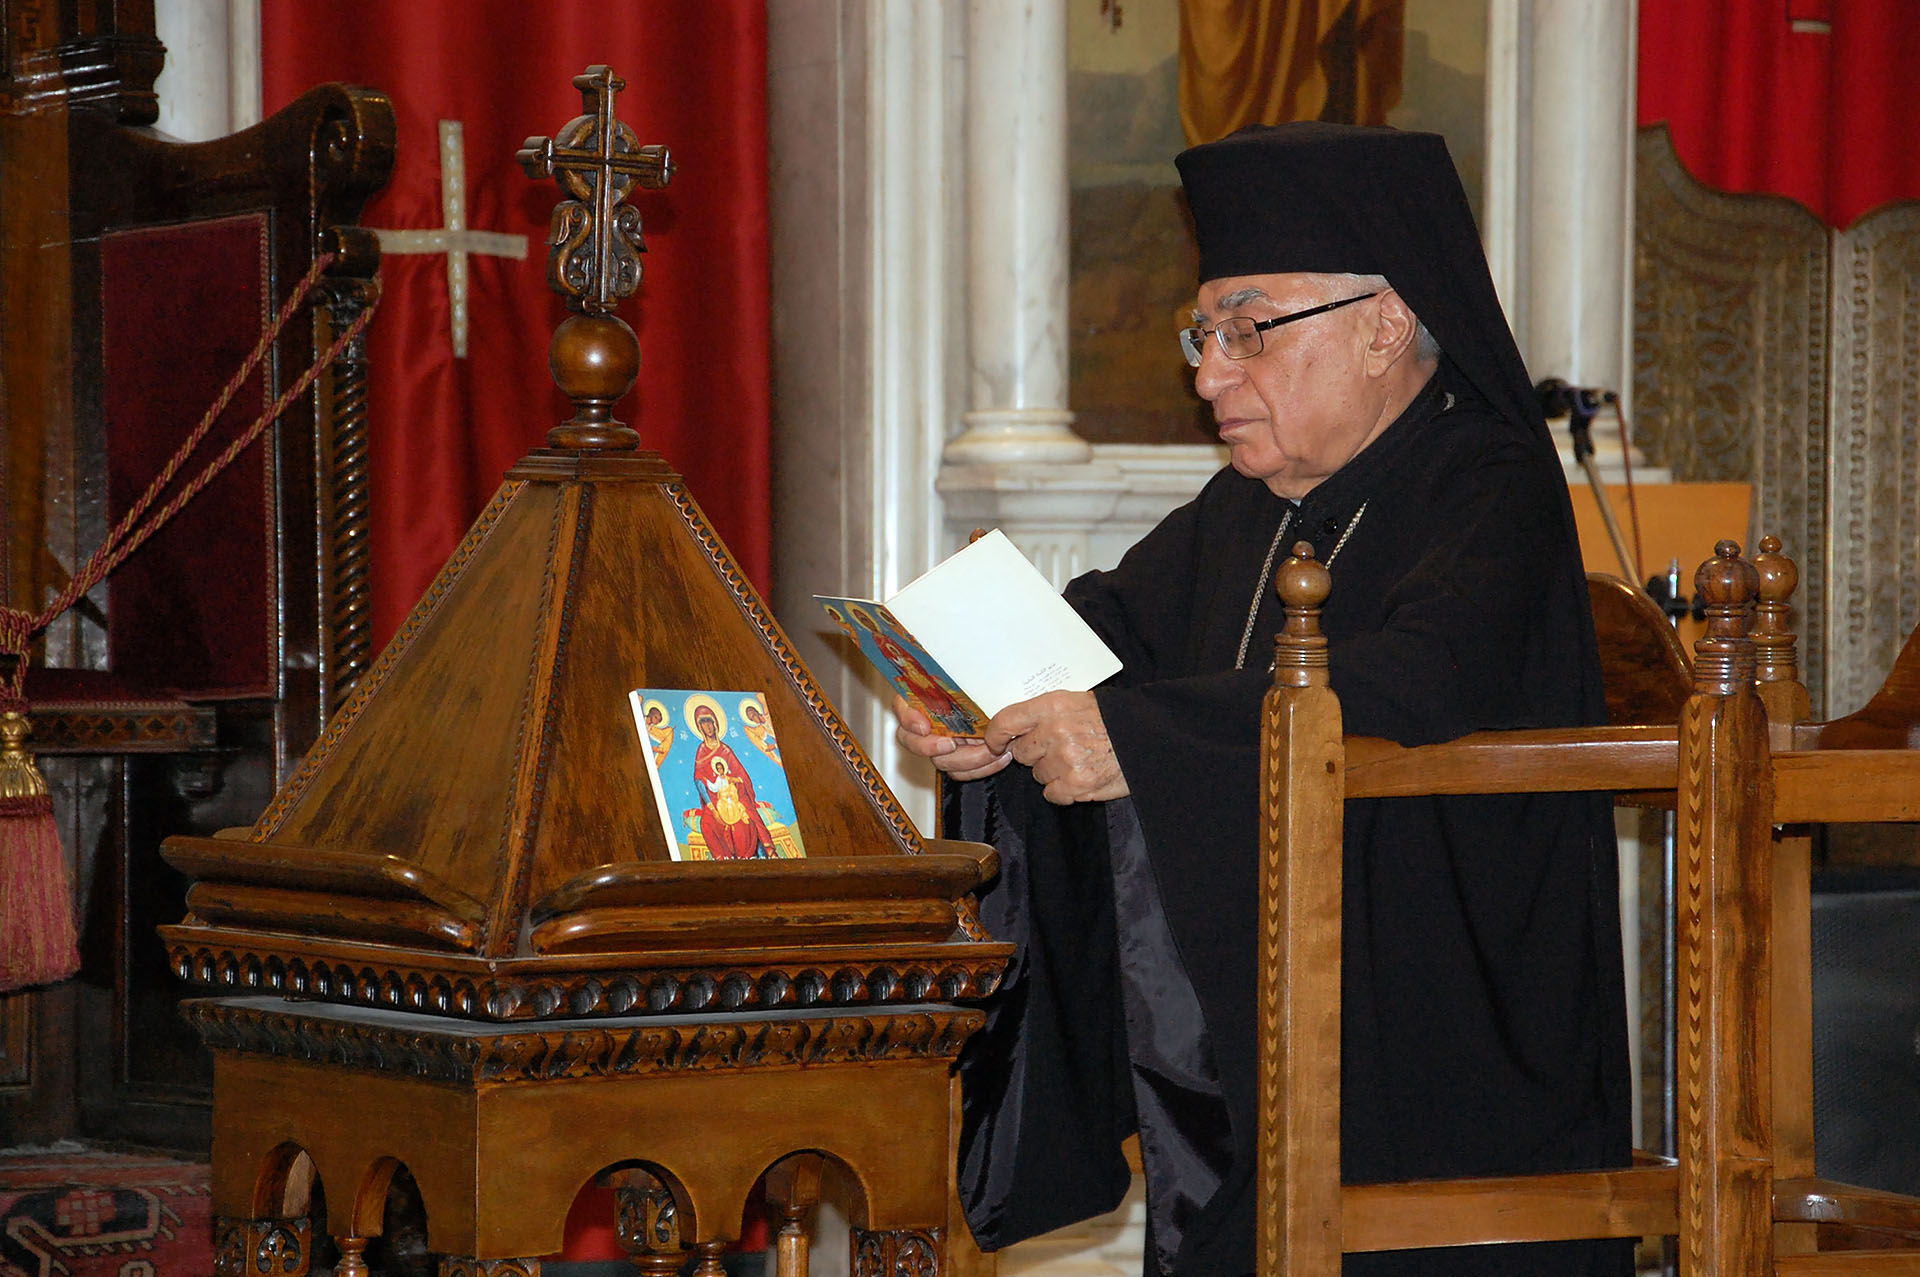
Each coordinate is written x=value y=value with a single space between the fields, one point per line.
x=1394 y=333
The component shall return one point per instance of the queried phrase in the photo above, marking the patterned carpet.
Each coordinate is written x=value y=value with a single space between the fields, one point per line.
x=73 y=1211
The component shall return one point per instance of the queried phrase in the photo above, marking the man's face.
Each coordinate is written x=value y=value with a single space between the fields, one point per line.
x=1301 y=408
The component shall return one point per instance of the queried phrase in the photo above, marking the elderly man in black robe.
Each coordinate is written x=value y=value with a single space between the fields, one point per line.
x=1360 y=370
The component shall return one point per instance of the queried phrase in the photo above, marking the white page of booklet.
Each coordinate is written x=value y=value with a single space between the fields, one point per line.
x=1000 y=628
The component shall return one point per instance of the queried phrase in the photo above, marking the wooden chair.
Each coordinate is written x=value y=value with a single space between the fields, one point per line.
x=1740 y=1197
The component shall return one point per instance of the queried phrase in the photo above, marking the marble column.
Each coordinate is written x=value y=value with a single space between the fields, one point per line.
x=865 y=115
x=1558 y=223
x=1016 y=147
x=1559 y=197
x=1575 y=173
x=211 y=84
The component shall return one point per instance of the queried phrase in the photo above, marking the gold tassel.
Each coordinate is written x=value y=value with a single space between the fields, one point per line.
x=37 y=940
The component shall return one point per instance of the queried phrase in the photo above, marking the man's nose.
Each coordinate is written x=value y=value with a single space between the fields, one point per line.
x=1216 y=372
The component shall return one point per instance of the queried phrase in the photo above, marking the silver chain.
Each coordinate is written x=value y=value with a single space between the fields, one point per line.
x=1266 y=575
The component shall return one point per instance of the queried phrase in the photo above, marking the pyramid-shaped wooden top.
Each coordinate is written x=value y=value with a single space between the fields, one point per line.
x=481 y=809
x=476 y=833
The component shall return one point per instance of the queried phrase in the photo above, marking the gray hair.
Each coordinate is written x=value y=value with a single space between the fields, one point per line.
x=1425 y=348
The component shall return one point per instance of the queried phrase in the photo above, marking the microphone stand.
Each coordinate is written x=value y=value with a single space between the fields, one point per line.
x=1581 y=406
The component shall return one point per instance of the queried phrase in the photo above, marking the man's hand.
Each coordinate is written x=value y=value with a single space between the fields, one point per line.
x=959 y=758
x=1062 y=737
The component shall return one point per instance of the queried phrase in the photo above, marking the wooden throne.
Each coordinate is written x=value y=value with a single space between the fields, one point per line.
x=138 y=273
x=457 y=944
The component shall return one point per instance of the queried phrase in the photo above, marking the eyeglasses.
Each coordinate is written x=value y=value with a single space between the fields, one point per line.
x=1239 y=336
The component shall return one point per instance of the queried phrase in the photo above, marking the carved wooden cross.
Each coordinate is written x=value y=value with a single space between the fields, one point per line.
x=595 y=236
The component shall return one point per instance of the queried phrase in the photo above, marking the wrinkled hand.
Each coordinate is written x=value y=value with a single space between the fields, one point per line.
x=1063 y=738
x=959 y=758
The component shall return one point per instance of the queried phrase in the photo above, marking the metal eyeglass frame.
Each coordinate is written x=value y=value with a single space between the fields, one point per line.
x=1191 y=338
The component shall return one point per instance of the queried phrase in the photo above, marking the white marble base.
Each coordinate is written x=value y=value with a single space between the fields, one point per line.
x=1016 y=436
x=1071 y=518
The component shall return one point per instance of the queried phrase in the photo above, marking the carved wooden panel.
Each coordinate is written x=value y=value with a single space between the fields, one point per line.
x=1873 y=553
x=896 y=1254
x=653 y=984
x=456 y=1266
x=649 y=1224
x=261 y=1247
x=1731 y=335
x=122 y=728
x=454 y=1054
x=1772 y=350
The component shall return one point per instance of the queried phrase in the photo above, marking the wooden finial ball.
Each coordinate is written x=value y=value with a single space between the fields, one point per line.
x=1726 y=579
x=595 y=360
x=1304 y=582
x=1779 y=575
x=594 y=357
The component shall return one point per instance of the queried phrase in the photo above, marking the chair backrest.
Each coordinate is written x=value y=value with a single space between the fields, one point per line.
x=149 y=269
x=1307 y=1219
x=1643 y=665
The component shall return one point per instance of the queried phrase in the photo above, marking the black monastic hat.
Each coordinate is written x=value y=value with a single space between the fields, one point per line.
x=1335 y=198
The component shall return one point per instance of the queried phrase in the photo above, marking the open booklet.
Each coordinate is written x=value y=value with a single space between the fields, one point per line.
x=975 y=634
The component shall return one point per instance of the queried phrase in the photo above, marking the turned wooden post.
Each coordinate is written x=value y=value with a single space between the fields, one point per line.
x=353 y=1262
x=710 y=1265
x=1724 y=911
x=1777 y=680
x=1776 y=664
x=1303 y=772
x=793 y=1189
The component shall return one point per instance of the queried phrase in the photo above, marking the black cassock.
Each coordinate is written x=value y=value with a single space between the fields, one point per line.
x=1484 y=1026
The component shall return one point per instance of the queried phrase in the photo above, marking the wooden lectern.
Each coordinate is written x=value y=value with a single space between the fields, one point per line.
x=457 y=943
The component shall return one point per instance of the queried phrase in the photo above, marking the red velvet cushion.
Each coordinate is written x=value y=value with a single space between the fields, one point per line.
x=193 y=609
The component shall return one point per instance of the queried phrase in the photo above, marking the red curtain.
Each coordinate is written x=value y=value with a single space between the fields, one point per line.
x=1804 y=98
x=445 y=427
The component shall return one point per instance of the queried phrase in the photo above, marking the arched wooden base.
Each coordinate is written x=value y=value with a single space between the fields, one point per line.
x=501 y=1125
